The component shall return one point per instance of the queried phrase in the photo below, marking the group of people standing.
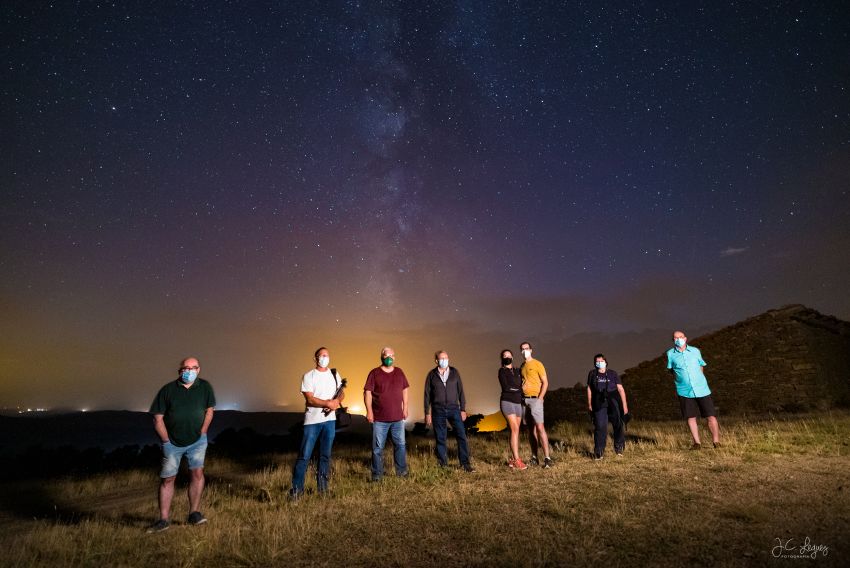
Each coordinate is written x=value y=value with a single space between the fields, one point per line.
x=183 y=410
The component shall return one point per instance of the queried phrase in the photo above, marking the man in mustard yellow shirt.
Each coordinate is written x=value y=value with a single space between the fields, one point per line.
x=534 y=385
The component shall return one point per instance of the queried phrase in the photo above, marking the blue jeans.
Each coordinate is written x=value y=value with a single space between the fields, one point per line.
x=324 y=433
x=379 y=440
x=440 y=416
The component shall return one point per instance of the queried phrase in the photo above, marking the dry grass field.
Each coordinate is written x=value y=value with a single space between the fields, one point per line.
x=659 y=505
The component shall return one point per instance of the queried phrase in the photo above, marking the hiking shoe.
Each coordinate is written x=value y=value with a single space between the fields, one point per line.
x=468 y=468
x=196 y=518
x=159 y=526
x=518 y=464
x=716 y=445
x=295 y=495
x=533 y=461
x=696 y=446
x=547 y=463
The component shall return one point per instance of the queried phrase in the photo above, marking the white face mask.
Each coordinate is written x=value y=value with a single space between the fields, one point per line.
x=601 y=364
x=526 y=353
x=443 y=363
x=324 y=360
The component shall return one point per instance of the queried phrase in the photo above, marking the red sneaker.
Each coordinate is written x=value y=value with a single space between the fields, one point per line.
x=518 y=464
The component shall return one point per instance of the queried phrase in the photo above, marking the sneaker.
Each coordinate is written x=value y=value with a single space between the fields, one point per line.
x=547 y=463
x=518 y=464
x=159 y=526
x=533 y=461
x=619 y=454
x=196 y=518
x=597 y=457
x=468 y=468
x=716 y=444
x=696 y=446
x=295 y=495
x=512 y=463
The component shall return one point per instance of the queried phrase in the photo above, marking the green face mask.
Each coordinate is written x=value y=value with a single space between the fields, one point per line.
x=387 y=361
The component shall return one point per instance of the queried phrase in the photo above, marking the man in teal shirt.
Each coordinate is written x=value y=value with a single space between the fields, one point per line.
x=686 y=363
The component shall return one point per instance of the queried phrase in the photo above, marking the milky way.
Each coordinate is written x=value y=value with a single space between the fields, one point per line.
x=245 y=183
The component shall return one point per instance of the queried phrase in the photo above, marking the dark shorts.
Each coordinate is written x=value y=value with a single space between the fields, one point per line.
x=694 y=407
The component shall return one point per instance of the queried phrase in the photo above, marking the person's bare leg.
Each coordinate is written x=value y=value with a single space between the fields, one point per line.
x=543 y=438
x=196 y=488
x=532 y=440
x=715 y=429
x=166 y=494
x=513 y=422
x=694 y=427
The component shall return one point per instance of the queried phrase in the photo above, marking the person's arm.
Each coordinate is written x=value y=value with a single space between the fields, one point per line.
x=462 y=397
x=623 y=397
x=367 y=400
x=159 y=426
x=589 y=399
x=331 y=404
x=544 y=386
x=404 y=402
x=208 y=416
x=505 y=379
x=427 y=400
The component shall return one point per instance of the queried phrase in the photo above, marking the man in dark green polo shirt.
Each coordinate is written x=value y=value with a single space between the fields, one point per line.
x=182 y=412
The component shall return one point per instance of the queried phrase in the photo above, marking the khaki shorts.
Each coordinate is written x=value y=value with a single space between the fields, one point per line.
x=533 y=411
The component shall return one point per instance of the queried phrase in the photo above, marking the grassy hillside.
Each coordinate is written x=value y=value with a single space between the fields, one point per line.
x=660 y=503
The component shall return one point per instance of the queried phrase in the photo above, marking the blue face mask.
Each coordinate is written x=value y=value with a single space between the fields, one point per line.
x=679 y=342
x=188 y=376
x=601 y=364
x=443 y=363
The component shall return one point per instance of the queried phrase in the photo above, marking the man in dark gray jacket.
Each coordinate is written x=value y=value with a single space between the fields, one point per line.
x=445 y=402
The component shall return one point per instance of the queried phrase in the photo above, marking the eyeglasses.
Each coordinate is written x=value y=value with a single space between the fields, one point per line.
x=195 y=368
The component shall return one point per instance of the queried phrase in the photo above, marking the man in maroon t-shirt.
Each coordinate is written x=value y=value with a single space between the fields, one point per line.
x=385 y=395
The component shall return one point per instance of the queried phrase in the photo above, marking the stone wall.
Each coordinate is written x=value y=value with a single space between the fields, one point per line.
x=786 y=360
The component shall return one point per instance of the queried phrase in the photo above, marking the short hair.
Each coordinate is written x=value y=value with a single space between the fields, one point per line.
x=384 y=350
x=600 y=356
x=182 y=361
x=437 y=353
x=503 y=351
x=526 y=343
x=319 y=350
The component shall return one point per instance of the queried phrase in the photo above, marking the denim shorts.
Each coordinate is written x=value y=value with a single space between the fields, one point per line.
x=171 y=456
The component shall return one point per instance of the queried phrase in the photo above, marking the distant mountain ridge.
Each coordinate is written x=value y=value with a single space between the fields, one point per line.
x=109 y=429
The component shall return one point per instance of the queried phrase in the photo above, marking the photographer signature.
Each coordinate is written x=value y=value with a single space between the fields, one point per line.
x=787 y=549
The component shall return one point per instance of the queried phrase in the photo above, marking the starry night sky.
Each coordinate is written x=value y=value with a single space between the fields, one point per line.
x=245 y=183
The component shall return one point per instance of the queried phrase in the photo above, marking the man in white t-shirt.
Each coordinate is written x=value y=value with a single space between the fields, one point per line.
x=319 y=387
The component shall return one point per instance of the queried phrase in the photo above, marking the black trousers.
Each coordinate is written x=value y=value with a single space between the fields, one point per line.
x=608 y=412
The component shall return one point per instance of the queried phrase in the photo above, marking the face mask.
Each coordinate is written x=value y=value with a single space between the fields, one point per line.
x=324 y=360
x=388 y=361
x=679 y=342
x=188 y=376
x=443 y=363
x=526 y=353
x=601 y=364
x=507 y=361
